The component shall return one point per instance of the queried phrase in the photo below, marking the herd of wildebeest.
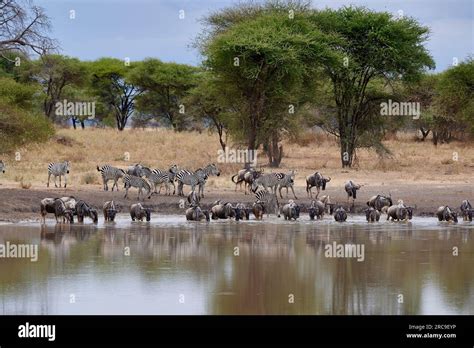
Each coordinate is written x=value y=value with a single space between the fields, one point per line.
x=265 y=187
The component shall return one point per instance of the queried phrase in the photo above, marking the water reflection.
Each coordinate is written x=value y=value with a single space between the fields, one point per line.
x=174 y=267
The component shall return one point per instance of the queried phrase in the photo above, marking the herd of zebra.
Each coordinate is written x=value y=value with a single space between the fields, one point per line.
x=265 y=186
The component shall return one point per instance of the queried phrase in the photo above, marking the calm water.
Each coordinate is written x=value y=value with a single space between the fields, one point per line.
x=176 y=267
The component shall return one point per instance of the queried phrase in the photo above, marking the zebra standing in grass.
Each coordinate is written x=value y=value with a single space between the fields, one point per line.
x=268 y=180
x=269 y=201
x=58 y=169
x=110 y=173
x=139 y=183
x=199 y=177
x=287 y=180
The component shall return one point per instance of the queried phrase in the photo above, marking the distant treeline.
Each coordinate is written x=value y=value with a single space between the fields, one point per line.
x=269 y=71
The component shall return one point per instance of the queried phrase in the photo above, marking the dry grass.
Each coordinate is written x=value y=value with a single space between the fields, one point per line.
x=412 y=160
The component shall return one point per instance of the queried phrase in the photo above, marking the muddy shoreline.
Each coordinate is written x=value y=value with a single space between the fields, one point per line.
x=24 y=204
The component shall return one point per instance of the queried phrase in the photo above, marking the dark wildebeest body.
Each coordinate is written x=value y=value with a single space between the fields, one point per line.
x=340 y=214
x=445 y=213
x=139 y=212
x=85 y=210
x=466 y=210
x=291 y=211
x=318 y=180
x=379 y=201
x=109 y=211
x=372 y=214
x=196 y=214
x=222 y=211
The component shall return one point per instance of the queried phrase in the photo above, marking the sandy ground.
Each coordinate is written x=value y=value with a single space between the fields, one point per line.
x=23 y=204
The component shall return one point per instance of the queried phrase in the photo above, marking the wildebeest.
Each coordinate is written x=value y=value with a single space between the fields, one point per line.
x=340 y=214
x=136 y=170
x=85 y=210
x=2 y=166
x=195 y=213
x=466 y=210
x=316 y=209
x=242 y=212
x=222 y=210
x=372 y=214
x=445 y=213
x=139 y=212
x=249 y=177
x=109 y=211
x=60 y=211
x=379 y=201
x=241 y=177
x=258 y=209
x=397 y=212
x=57 y=207
x=291 y=210
x=269 y=201
x=318 y=180
x=351 y=190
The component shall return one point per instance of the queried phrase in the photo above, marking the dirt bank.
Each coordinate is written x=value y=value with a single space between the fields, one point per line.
x=23 y=204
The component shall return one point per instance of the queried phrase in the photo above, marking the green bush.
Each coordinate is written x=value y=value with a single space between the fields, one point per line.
x=19 y=127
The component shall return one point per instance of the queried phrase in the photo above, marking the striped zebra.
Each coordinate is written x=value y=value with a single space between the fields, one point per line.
x=58 y=169
x=267 y=180
x=287 y=180
x=2 y=166
x=193 y=179
x=110 y=173
x=162 y=177
x=137 y=182
x=269 y=201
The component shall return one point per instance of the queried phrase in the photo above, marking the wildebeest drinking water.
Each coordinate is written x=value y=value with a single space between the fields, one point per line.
x=466 y=210
x=139 y=212
x=291 y=210
x=445 y=213
x=109 y=210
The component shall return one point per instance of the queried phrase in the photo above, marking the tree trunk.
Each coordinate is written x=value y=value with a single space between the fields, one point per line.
x=274 y=151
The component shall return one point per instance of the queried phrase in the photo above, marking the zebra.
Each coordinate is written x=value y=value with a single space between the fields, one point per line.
x=139 y=183
x=159 y=177
x=318 y=180
x=199 y=177
x=268 y=200
x=110 y=173
x=249 y=177
x=171 y=172
x=267 y=180
x=287 y=180
x=2 y=167
x=58 y=169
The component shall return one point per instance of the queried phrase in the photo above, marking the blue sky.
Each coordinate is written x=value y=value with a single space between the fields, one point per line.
x=152 y=28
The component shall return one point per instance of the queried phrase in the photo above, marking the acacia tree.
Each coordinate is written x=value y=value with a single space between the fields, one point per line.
x=55 y=73
x=372 y=45
x=262 y=55
x=164 y=85
x=110 y=83
x=454 y=102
